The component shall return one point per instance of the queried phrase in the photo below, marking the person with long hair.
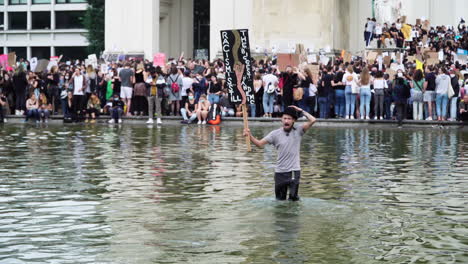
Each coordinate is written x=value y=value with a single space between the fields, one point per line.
x=442 y=85
x=365 y=93
x=93 y=108
x=309 y=83
x=44 y=108
x=419 y=86
x=175 y=80
x=350 y=79
x=380 y=84
x=20 y=83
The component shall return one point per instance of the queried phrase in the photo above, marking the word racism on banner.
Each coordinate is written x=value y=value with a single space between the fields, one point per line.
x=236 y=50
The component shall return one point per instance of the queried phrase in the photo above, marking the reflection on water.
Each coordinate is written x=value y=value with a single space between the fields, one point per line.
x=193 y=195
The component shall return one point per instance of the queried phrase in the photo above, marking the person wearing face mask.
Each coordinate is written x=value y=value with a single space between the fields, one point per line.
x=401 y=93
x=287 y=140
x=203 y=107
x=189 y=111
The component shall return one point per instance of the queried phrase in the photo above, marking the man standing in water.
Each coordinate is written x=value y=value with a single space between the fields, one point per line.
x=287 y=140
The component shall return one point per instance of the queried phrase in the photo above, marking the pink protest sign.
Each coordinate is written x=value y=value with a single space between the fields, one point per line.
x=4 y=60
x=159 y=59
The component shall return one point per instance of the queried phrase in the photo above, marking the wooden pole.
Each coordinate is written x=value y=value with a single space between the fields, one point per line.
x=246 y=126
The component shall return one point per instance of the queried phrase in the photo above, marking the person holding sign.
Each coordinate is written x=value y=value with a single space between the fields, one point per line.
x=287 y=140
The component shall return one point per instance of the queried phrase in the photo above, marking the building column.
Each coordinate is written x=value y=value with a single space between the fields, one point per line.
x=52 y=51
x=28 y=52
x=155 y=23
x=29 y=16
x=52 y=15
x=5 y=20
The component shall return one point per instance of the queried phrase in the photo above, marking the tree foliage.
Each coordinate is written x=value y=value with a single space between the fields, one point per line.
x=93 y=21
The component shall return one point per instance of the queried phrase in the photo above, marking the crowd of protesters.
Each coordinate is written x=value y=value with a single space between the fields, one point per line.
x=357 y=89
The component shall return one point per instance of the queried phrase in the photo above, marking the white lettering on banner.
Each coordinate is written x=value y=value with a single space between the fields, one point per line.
x=227 y=50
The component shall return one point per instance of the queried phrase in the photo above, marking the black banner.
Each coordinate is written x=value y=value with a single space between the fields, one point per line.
x=236 y=52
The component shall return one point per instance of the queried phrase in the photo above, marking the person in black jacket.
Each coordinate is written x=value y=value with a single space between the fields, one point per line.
x=289 y=81
x=20 y=83
x=454 y=99
x=401 y=93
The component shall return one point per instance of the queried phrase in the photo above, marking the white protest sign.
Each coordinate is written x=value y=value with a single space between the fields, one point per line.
x=33 y=63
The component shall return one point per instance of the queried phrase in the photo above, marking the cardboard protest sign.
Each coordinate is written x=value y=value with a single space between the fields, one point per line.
x=42 y=65
x=12 y=59
x=300 y=50
x=104 y=68
x=314 y=69
x=387 y=60
x=411 y=58
x=33 y=64
x=312 y=59
x=347 y=57
x=201 y=54
x=324 y=60
x=441 y=55
x=237 y=59
x=432 y=61
x=93 y=60
x=159 y=59
x=391 y=73
x=285 y=59
x=371 y=57
x=199 y=69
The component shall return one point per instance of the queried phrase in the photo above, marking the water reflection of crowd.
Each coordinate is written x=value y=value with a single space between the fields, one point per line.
x=356 y=89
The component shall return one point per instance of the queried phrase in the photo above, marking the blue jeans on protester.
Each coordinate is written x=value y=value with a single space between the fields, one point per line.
x=340 y=103
x=213 y=98
x=253 y=110
x=268 y=100
x=387 y=107
x=323 y=106
x=453 y=108
x=350 y=101
x=32 y=113
x=365 y=102
x=441 y=105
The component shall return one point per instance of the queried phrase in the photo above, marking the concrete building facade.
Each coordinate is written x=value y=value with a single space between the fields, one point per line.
x=43 y=28
x=151 y=26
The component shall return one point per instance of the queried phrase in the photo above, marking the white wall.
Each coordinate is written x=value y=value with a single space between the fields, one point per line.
x=132 y=27
x=228 y=14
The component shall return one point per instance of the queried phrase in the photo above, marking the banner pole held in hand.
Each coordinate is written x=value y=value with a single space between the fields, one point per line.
x=246 y=126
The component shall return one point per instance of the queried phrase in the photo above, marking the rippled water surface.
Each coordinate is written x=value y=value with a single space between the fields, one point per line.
x=173 y=194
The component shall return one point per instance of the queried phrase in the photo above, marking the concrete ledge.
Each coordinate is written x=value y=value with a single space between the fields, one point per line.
x=261 y=121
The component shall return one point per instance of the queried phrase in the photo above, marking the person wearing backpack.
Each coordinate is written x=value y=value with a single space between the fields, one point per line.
x=401 y=93
x=270 y=82
x=174 y=82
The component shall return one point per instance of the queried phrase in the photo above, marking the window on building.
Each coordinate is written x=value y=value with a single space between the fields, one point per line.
x=201 y=30
x=40 y=20
x=18 y=2
x=40 y=52
x=2 y=16
x=69 y=19
x=17 y=20
x=2 y=2
x=72 y=53
x=40 y=2
x=21 y=52
x=71 y=1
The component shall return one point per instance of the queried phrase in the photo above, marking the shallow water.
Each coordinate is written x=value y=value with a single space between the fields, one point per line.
x=120 y=194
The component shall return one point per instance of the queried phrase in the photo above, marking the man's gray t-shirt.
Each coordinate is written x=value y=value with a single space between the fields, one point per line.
x=125 y=75
x=288 y=146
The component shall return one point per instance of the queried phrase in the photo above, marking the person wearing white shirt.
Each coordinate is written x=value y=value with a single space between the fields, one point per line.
x=79 y=100
x=379 y=93
x=350 y=79
x=270 y=82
